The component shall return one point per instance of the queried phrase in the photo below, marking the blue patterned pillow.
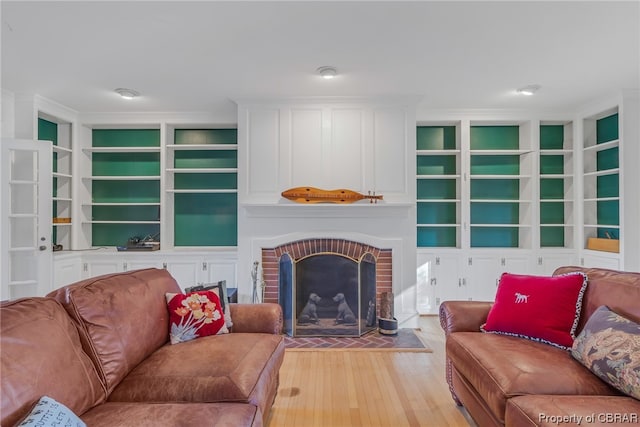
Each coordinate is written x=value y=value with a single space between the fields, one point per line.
x=49 y=413
x=609 y=345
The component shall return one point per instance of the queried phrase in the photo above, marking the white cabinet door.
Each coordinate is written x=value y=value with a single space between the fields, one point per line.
x=221 y=270
x=66 y=270
x=93 y=268
x=26 y=264
x=600 y=261
x=481 y=278
x=547 y=262
x=187 y=272
x=439 y=279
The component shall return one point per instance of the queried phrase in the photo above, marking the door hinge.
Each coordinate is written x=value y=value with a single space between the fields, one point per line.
x=204 y=266
x=85 y=267
x=164 y=265
x=503 y=262
x=124 y=266
x=437 y=260
x=470 y=261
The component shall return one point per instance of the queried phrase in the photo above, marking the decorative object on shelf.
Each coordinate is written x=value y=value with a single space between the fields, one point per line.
x=61 y=220
x=317 y=195
x=148 y=243
x=605 y=245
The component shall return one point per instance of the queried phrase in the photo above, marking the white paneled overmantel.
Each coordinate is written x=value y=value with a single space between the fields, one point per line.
x=354 y=143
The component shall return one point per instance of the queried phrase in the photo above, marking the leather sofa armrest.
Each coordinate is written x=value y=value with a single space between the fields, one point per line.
x=263 y=318
x=463 y=316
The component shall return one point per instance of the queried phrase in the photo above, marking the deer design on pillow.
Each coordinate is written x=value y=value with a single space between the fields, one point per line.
x=521 y=298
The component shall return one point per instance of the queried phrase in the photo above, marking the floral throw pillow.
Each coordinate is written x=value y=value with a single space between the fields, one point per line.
x=195 y=315
x=609 y=345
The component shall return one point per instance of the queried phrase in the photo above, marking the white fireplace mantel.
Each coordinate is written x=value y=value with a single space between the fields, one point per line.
x=312 y=211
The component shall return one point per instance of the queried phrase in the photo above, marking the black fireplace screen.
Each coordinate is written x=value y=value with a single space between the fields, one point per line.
x=328 y=294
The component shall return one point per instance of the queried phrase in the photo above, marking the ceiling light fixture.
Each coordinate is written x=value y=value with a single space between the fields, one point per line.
x=528 y=90
x=327 y=72
x=127 y=93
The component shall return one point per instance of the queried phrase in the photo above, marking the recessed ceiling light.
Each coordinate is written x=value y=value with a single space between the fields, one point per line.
x=528 y=90
x=127 y=93
x=327 y=72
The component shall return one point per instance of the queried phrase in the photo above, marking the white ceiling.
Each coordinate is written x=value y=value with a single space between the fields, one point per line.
x=200 y=56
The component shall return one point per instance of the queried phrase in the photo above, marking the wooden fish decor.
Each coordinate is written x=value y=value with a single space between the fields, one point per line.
x=317 y=195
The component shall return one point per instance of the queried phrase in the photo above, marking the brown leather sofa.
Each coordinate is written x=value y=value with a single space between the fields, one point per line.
x=100 y=347
x=511 y=381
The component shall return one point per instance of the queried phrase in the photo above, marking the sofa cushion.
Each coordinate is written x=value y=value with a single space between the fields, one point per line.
x=194 y=315
x=47 y=412
x=124 y=315
x=173 y=414
x=552 y=411
x=499 y=367
x=42 y=355
x=609 y=345
x=545 y=309
x=232 y=367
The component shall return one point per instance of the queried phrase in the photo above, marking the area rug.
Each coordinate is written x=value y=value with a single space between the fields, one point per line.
x=405 y=340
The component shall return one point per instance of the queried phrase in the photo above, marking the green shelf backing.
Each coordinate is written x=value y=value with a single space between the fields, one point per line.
x=495 y=137
x=436 y=213
x=551 y=188
x=607 y=159
x=126 y=191
x=205 y=136
x=429 y=237
x=551 y=237
x=504 y=189
x=126 y=138
x=607 y=129
x=494 y=237
x=608 y=186
x=126 y=213
x=495 y=213
x=607 y=233
x=119 y=234
x=551 y=212
x=205 y=181
x=551 y=137
x=48 y=131
x=206 y=159
x=436 y=165
x=495 y=165
x=436 y=189
x=205 y=219
x=551 y=164
x=436 y=138
x=608 y=212
x=125 y=164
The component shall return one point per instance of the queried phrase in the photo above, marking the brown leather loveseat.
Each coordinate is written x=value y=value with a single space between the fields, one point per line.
x=506 y=380
x=100 y=347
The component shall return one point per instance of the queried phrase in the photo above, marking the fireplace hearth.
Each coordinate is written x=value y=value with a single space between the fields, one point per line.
x=327 y=287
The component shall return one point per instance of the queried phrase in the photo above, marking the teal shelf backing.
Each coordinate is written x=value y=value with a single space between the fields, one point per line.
x=607 y=159
x=551 y=137
x=495 y=213
x=206 y=219
x=607 y=129
x=608 y=212
x=503 y=189
x=495 y=137
x=495 y=165
x=436 y=213
x=125 y=164
x=551 y=164
x=608 y=186
x=436 y=189
x=119 y=234
x=551 y=237
x=205 y=181
x=205 y=136
x=551 y=188
x=551 y=213
x=206 y=159
x=437 y=237
x=436 y=138
x=494 y=237
x=126 y=191
x=126 y=138
x=126 y=213
x=436 y=165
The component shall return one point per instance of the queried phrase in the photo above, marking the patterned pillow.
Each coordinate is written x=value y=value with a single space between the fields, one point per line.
x=194 y=315
x=539 y=308
x=220 y=288
x=49 y=413
x=609 y=345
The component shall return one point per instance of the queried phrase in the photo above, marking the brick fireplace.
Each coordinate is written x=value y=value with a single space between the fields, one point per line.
x=380 y=259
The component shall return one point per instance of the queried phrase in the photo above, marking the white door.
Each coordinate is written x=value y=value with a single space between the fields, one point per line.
x=26 y=218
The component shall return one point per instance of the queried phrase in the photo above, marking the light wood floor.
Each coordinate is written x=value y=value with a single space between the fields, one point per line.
x=367 y=388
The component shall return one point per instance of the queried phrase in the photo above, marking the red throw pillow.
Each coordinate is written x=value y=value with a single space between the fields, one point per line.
x=540 y=308
x=194 y=315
